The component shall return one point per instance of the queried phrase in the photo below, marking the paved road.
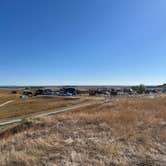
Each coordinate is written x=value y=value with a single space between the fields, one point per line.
x=10 y=101
x=56 y=111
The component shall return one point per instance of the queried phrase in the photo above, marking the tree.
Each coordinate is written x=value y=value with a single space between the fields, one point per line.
x=139 y=89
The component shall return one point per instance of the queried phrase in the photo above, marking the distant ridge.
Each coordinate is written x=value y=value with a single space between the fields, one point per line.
x=81 y=86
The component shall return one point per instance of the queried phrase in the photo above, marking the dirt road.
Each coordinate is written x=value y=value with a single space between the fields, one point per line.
x=10 y=101
x=36 y=115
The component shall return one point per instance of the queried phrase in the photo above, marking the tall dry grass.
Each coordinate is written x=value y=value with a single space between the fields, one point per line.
x=123 y=131
x=31 y=105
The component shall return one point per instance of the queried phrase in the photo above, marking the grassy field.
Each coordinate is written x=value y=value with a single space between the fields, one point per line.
x=30 y=105
x=123 y=131
x=5 y=95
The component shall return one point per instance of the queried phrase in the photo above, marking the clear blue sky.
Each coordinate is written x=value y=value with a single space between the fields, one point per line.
x=82 y=42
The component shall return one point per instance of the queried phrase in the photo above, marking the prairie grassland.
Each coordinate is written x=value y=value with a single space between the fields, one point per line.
x=123 y=131
x=30 y=105
x=6 y=95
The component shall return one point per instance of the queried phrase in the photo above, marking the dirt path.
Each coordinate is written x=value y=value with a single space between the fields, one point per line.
x=10 y=101
x=36 y=115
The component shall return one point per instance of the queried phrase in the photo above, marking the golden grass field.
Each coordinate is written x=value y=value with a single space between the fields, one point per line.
x=30 y=105
x=120 y=132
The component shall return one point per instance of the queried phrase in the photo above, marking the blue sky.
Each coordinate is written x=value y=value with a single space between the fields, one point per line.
x=102 y=42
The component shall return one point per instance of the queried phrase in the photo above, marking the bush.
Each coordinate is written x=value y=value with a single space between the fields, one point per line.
x=139 y=89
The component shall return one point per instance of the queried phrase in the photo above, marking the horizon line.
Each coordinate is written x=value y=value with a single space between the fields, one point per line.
x=86 y=85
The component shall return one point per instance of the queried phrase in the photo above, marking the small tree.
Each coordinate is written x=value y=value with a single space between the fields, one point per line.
x=139 y=89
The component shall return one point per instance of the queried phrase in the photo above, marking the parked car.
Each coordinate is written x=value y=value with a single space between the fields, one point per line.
x=28 y=93
x=39 y=92
x=44 y=92
x=69 y=94
x=71 y=91
x=48 y=92
x=114 y=92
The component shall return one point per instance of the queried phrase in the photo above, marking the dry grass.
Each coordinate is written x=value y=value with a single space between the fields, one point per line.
x=124 y=131
x=32 y=104
x=35 y=104
x=5 y=95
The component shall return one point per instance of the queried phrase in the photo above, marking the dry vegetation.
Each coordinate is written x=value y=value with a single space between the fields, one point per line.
x=5 y=95
x=123 y=131
x=29 y=105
